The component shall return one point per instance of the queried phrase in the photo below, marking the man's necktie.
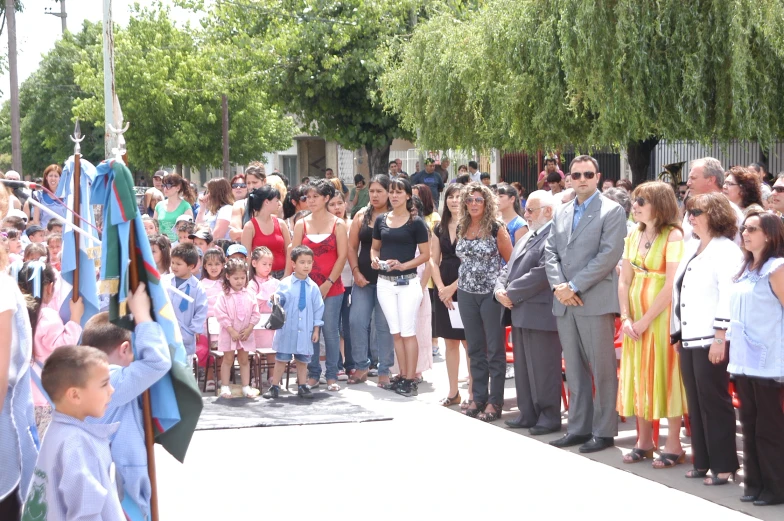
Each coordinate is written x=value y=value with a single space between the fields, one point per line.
x=183 y=302
x=302 y=295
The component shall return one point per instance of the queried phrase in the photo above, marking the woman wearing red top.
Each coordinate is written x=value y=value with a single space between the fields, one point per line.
x=327 y=236
x=265 y=229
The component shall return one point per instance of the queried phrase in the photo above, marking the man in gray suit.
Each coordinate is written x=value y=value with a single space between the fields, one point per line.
x=523 y=288
x=585 y=244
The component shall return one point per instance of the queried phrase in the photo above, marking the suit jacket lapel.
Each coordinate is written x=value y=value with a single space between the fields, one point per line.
x=567 y=217
x=587 y=217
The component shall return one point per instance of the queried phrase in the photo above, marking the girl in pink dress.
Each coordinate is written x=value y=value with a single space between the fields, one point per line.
x=36 y=281
x=237 y=312
x=212 y=282
x=262 y=285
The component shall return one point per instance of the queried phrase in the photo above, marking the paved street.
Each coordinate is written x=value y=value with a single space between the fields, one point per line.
x=427 y=463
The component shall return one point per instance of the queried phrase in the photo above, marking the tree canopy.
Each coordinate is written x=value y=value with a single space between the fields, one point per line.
x=321 y=60
x=169 y=81
x=542 y=74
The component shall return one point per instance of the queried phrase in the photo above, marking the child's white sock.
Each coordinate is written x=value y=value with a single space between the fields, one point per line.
x=225 y=389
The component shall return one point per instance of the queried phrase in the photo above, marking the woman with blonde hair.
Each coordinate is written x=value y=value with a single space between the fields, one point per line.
x=650 y=385
x=482 y=242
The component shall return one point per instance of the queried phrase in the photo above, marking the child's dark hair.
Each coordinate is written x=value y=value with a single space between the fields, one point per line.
x=52 y=223
x=223 y=244
x=36 y=251
x=299 y=251
x=185 y=226
x=101 y=334
x=164 y=244
x=69 y=366
x=187 y=252
x=484 y=175
x=11 y=233
x=231 y=267
x=25 y=279
x=212 y=253
x=15 y=222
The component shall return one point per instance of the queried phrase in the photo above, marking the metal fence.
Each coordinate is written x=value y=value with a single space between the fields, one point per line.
x=524 y=168
x=730 y=154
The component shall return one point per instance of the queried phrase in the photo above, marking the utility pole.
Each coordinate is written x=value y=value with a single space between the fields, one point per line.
x=61 y=15
x=16 y=145
x=225 y=107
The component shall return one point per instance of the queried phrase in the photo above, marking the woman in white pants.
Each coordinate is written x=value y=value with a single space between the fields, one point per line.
x=396 y=236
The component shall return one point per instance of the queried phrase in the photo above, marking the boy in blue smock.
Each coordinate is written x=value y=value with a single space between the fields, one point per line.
x=301 y=299
x=130 y=377
x=191 y=316
x=74 y=476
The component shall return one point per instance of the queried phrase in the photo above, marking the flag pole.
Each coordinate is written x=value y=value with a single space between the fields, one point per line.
x=115 y=144
x=77 y=203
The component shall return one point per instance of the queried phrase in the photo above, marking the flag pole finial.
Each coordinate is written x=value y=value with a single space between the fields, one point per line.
x=77 y=138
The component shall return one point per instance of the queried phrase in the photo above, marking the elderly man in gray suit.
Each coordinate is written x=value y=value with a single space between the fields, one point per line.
x=585 y=244
x=523 y=288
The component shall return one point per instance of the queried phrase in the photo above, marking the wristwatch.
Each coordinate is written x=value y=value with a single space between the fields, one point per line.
x=718 y=340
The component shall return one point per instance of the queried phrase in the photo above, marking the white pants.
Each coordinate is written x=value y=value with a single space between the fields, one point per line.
x=400 y=305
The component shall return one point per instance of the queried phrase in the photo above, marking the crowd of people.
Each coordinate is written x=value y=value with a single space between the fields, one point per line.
x=371 y=278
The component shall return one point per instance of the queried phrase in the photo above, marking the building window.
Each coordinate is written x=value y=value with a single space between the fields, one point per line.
x=288 y=166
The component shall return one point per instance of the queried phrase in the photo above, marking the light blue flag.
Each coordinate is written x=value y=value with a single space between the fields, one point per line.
x=88 y=250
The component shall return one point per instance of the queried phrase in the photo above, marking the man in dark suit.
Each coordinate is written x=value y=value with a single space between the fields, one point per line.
x=523 y=288
x=584 y=247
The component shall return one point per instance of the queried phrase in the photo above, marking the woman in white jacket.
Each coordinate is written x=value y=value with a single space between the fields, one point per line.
x=700 y=318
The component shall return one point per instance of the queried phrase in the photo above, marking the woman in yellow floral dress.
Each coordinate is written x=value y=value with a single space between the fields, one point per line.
x=650 y=385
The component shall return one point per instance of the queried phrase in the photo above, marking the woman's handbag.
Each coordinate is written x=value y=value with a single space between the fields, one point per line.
x=277 y=316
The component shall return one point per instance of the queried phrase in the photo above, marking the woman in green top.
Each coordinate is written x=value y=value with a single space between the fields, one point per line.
x=178 y=193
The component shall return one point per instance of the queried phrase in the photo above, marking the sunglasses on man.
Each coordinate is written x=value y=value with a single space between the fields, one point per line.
x=578 y=175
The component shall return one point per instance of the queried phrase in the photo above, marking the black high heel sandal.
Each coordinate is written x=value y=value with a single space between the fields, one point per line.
x=716 y=480
x=489 y=417
x=473 y=413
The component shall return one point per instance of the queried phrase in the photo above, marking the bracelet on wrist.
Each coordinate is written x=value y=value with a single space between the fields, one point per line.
x=331 y=281
x=354 y=268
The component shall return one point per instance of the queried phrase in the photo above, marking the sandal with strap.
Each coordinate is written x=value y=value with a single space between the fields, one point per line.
x=465 y=404
x=489 y=417
x=668 y=460
x=454 y=400
x=357 y=377
x=697 y=473
x=637 y=455
x=718 y=480
x=473 y=413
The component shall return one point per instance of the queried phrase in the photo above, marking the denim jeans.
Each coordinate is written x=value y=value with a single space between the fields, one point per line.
x=364 y=305
x=331 y=334
x=346 y=363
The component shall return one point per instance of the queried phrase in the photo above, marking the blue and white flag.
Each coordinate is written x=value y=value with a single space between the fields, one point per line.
x=88 y=250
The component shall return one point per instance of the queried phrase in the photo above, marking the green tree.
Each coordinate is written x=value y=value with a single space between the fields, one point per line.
x=321 y=60
x=47 y=98
x=531 y=74
x=169 y=86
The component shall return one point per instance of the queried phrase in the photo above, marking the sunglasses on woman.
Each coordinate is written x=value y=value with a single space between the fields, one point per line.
x=475 y=200
x=640 y=201
x=588 y=175
x=777 y=189
x=167 y=185
x=750 y=229
x=696 y=212
x=238 y=185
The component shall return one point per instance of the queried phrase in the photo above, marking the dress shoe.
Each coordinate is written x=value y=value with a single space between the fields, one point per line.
x=767 y=502
x=570 y=440
x=538 y=430
x=596 y=444
x=517 y=423
x=748 y=499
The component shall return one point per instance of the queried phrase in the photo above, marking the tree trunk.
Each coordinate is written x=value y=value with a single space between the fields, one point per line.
x=178 y=169
x=639 y=155
x=378 y=159
x=16 y=145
